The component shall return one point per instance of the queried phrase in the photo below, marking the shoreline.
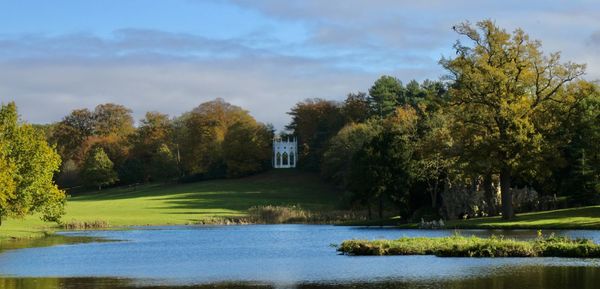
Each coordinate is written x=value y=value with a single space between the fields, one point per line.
x=583 y=218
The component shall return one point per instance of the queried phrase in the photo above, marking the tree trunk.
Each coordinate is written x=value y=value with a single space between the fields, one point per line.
x=99 y=188
x=490 y=195
x=434 y=194
x=380 y=207
x=369 y=210
x=444 y=192
x=507 y=205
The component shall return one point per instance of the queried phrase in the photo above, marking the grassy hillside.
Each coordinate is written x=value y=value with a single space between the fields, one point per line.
x=162 y=204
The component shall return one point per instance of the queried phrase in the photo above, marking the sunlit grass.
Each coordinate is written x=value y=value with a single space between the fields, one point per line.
x=567 y=219
x=170 y=204
x=573 y=218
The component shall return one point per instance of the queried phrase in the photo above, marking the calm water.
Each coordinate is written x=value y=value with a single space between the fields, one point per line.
x=276 y=256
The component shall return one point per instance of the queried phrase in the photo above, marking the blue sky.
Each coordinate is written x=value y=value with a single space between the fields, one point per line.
x=264 y=55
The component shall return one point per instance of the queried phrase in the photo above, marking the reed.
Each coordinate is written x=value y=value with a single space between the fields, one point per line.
x=295 y=214
x=85 y=225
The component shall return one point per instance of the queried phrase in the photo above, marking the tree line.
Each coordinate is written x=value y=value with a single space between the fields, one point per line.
x=506 y=116
x=103 y=147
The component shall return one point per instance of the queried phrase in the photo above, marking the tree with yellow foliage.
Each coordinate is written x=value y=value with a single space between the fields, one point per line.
x=502 y=82
x=27 y=167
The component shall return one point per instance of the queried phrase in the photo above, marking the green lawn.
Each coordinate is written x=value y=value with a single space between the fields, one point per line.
x=573 y=218
x=186 y=203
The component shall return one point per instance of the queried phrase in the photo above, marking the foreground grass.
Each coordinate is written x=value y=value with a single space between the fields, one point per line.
x=168 y=204
x=459 y=246
x=30 y=227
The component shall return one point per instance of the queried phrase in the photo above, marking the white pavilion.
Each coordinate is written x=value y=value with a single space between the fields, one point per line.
x=285 y=152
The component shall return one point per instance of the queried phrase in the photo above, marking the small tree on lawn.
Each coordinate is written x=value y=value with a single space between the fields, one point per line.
x=98 y=169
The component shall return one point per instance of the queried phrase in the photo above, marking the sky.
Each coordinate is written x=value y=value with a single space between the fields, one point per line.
x=263 y=55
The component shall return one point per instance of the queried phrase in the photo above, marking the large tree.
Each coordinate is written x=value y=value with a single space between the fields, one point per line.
x=70 y=133
x=152 y=149
x=501 y=82
x=163 y=165
x=383 y=168
x=247 y=148
x=384 y=95
x=380 y=170
x=314 y=122
x=575 y=135
x=337 y=159
x=202 y=134
x=27 y=167
x=112 y=119
x=98 y=169
x=356 y=107
x=432 y=152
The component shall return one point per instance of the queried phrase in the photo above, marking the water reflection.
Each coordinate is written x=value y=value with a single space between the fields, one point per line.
x=539 y=277
x=50 y=240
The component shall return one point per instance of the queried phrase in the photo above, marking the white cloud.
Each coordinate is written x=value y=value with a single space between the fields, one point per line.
x=347 y=46
x=423 y=27
x=268 y=88
x=172 y=73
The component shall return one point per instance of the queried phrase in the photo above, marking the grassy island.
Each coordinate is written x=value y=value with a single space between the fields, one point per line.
x=460 y=246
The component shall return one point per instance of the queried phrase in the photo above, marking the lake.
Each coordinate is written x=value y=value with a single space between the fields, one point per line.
x=276 y=256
